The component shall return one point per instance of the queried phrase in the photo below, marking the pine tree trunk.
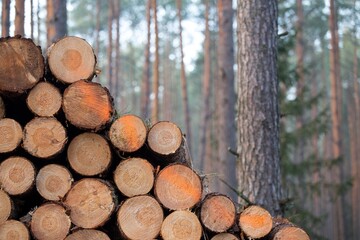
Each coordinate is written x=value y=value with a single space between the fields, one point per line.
x=145 y=84
x=258 y=115
x=184 y=90
x=205 y=110
x=118 y=89
x=19 y=17
x=226 y=108
x=5 y=18
x=109 y=48
x=32 y=19
x=155 y=85
x=338 y=227
x=167 y=106
x=56 y=20
x=38 y=21
x=97 y=28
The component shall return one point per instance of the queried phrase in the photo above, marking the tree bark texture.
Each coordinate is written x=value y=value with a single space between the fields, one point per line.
x=227 y=99
x=56 y=20
x=19 y=17
x=5 y=18
x=258 y=114
x=155 y=83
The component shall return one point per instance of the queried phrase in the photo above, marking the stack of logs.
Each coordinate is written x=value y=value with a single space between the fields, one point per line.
x=70 y=168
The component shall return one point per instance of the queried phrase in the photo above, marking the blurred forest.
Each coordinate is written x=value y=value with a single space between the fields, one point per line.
x=160 y=60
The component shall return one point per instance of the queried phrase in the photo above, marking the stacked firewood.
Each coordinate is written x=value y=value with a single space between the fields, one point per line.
x=71 y=168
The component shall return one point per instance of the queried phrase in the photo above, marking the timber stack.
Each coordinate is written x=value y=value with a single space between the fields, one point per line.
x=71 y=168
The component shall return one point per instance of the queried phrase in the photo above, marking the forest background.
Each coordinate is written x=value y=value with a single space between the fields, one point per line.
x=163 y=60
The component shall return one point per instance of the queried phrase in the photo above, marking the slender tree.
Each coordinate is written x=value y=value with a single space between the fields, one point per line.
x=167 y=82
x=258 y=108
x=32 y=19
x=19 y=17
x=97 y=27
x=110 y=45
x=56 y=20
x=155 y=105
x=5 y=18
x=117 y=79
x=38 y=23
x=184 y=91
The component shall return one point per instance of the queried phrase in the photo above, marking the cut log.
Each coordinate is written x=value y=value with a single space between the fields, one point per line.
x=217 y=213
x=17 y=175
x=283 y=229
x=5 y=206
x=11 y=135
x=44 y=137
x=44 y=100
x=53 y=182
x=14 y=230
x=134 y=176
x=50 y=221
x=140 y=217
x=178 y=187
x=128 y=133
x=255 y=222
x=181 y=225
x=87 y=105
x=224 y=236
x=88 y=234
x=166 y=140
x=89 y=154
x=71 y=59
x=21 y=64
x=91 y=203
x=2 y=108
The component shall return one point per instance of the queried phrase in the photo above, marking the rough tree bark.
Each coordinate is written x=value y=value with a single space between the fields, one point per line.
x=56 y=20
x=5 y=18
x=227 y=99
x=258 y=114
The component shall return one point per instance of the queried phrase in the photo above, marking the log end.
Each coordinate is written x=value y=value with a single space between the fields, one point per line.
x=291 y=233
x=50 y=221
x=164 y=138
x=128 y=133
x=181 y=225
x=5 y=207
x=89 y=154
x=134 y=176
x=140 y=217
x=11 y=135
x=14 y=230
x=88 y=234
x=255 y=221
x=53 y=182
x=224 y=236
x=17 y=175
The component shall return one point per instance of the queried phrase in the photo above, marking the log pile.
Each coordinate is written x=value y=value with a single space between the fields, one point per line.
x=70 y=168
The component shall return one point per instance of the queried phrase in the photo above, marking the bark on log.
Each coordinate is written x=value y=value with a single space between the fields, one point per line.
x=71 y=59
x=166 y=140
x=87 y=105
x=178 y=187
x=44 y=137
x=89 y=154
x=181 y=225
x=255 y=222
x=140 y=217
x=224 y=236
x=11 y=135
x=21 y=64
x=91 y=203
x=5 y=206
x=14 y=230
x=283 y=229
x=17 y=175
x=217 y=213
x=50 y=221
x=134 y=176
x=128 y=133
x=53 y=182
x=2 y=108
x=88 y=234
x=44 y=100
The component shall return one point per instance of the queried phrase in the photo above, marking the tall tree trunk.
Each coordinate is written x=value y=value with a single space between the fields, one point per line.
x=338 y=227
x=5 y=18
x=145 y=83
x=184 y=92
x=32 y=19
x=56 y=20
x=226 y=108
x=117 y=79
x=258 y=114
x=97 y=27
x=205 y=109
x=110 y=45
x=167 y=82
x=19 y=17
x=38 y=23
x=155 y=105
